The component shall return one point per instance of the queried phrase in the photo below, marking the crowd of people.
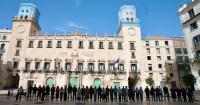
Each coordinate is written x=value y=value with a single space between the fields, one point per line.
x=117 y=94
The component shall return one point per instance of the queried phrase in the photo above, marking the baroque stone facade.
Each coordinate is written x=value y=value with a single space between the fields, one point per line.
x=85 y=59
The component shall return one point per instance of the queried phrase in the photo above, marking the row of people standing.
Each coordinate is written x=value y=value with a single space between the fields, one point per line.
x=177 y=94
x=67 y=93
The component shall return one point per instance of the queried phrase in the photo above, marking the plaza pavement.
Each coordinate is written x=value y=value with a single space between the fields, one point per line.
x=4 y=100
x=11 y=101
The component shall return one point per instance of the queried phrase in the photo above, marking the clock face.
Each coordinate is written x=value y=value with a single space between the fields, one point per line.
x=21 y=28
x=131 y=31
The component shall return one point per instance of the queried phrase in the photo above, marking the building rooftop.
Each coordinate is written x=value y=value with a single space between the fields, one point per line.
x=159 y=37
x=5 y=30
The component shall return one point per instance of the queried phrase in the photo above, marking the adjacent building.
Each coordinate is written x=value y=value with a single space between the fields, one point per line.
x=190 y=20
x=182 y=59
x=4 y=45
x=82 y=59
x=159 y=60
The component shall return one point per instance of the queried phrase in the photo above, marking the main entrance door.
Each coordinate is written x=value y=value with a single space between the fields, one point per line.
x=97 y=83
x=49 y=81
x=117 y=84
x=74 y=81
x=30 y=83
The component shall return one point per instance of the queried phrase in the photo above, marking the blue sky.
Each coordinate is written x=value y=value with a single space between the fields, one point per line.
x=158 y=17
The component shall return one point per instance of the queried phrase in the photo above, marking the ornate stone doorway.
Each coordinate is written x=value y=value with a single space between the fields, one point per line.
x=97 y=83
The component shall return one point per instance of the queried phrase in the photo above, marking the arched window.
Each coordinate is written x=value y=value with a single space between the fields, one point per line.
x=4 y=37
x=127 y=19
x=132 y=19
x=21 y=17
x=26 y=17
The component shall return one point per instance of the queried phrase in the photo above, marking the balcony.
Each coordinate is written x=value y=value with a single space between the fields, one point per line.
x=26 y=70
x=91 y=71
x=46 y=71
x=121 y=72
x=110 y=72
x=102 y=72
x=134 y=72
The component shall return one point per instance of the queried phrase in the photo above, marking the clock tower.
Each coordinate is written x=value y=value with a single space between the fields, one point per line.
x=129 y=31
x=128 y=22
x=26 y=22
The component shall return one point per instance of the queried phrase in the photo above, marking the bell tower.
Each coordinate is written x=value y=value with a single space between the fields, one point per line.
x=27 y=20
x=128 y=22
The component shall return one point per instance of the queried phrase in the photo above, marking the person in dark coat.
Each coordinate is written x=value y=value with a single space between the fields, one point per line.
x=120 y=94
x=52 y=92
x=61 y=93
x=133 y=94
x=173 y=94
x=19 y=93
x=137 y=94
x=157 y=91
x=57 y=93
x=152 y=93
x=34 y=92
x=190 y=93
x=79 y=94
x=166 y=93
x=103 y=94
x=47 y=92
x=43 y=92
x=95 y=94
x=107 y=94
x=123 y=94
x=161 y=93
x=74 y=90
x=115 y=93
x=130 y=92
x=65 y=93
x=99 y=93
x=83 y=93
x=91 y=92
x=30 y=89
x=141 y=93
x=87 y=93
x=147 y=92
x=178 y=91
x=184 y=94
x=111 y=93
x=69 y=92
x=39 y=92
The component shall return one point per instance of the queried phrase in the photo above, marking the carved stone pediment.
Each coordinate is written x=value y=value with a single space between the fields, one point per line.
x=38 y=59
x=47 y=60
x=133 y=61
x=101 y=60
x=80 y=60
x=110 y=61
x=28 y=59
x=68 y=60
x=16 y=59
x=58 y=60
x=91 y=60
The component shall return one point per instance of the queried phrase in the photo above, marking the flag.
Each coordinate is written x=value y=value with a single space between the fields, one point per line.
x=116 y=61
